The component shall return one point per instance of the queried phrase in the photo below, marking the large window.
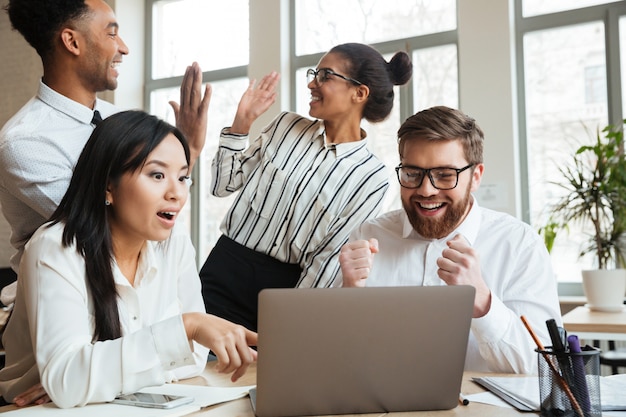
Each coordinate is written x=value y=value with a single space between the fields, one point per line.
x=568 y=72
x=184 y=31
x=217 y=38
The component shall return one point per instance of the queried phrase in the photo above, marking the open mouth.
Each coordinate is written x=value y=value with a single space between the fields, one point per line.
x=430 y=206
x=166 y=215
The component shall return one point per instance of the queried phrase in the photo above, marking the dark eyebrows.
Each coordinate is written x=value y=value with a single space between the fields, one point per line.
x=164 y=165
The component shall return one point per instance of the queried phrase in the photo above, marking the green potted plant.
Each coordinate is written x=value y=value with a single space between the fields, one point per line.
x=594 y=196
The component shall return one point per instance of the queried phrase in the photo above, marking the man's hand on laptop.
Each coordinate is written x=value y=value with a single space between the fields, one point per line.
x=356 y=260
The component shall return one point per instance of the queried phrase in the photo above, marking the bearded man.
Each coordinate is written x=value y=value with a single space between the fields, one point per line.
x=443 y=237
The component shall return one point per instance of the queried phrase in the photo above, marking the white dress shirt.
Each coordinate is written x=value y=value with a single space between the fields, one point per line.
x=514 y=263
x=39 y=147
x=49 y=336
x=300 y=197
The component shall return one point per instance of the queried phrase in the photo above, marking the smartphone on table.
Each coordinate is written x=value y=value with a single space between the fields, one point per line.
x=151 y=400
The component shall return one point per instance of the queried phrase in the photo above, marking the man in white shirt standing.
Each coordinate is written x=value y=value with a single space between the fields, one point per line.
x=443 y=237
x=81 y=50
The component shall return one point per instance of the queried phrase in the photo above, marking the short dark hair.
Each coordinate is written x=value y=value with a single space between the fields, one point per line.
x=120 y=144
x=39 y=21
x=367 y=65
x=444 y=123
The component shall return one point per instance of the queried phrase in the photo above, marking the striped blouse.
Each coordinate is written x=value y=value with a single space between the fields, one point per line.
x=299 y=198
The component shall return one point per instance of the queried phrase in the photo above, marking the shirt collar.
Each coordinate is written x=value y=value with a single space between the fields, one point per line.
x=348 y=148
x=65 y=105
x=146 y=267
x=468 y=228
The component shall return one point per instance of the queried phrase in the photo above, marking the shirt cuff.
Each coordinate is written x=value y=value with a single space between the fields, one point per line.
x=490 y=327
x=233 y=141
x=170 y=341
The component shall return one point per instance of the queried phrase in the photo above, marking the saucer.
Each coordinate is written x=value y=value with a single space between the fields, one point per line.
x=606 y=309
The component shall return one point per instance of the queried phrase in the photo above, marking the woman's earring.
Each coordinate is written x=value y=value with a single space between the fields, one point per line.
x=107 y=203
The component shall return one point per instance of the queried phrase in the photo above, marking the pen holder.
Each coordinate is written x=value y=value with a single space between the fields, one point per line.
x=569 y=383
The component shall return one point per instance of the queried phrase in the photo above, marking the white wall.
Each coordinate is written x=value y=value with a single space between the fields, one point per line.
x=129 y=94
x=487 y=93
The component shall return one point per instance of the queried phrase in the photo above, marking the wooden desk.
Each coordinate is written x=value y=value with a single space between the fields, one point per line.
x=591 y=325
x=243 y=408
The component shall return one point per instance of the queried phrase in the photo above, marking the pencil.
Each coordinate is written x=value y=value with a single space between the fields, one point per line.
x=557 y=375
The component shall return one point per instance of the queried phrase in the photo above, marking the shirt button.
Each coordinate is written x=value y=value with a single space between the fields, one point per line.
x=134 y=317
x=172 y=363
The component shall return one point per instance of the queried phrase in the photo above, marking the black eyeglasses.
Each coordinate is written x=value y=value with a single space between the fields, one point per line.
x=321 y=76
x=440 y=178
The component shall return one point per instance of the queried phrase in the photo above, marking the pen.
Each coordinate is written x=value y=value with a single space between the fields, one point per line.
x=559 y=339
x=463 y=400
x=558 y=345
x=557 y=375
x=579 y=372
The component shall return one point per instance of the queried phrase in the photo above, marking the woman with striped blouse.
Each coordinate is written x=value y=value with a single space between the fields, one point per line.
x=304 y=184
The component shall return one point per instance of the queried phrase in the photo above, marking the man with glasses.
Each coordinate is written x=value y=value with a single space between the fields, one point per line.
x=443 y=237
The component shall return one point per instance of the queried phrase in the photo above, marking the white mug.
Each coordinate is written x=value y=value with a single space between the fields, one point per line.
x=605 y=289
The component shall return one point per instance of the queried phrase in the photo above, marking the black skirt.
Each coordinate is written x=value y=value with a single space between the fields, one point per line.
x=233 y=275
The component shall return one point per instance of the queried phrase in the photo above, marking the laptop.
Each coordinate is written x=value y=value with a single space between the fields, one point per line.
x=361 y=350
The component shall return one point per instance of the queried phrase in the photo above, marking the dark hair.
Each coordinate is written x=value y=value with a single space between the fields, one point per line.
x=120 y=144
x=444 y=123
x=368 y=66
x=39 y=21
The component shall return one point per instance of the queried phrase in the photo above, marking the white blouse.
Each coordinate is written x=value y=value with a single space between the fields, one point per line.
x=49 y=336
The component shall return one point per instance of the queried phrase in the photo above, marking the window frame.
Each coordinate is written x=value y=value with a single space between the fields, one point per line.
x=609 y=14
x=151 y=84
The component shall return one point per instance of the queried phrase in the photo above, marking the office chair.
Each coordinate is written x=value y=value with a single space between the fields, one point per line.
x=615 y=358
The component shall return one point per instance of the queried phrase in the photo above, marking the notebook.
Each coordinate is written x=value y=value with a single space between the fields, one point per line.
x=361 y=350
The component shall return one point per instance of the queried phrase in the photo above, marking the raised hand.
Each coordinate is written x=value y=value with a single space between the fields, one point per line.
x=254 y=102
x=191 y=114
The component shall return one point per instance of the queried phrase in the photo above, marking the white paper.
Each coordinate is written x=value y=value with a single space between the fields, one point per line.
x=488 y=397
x=203 y=397
x=100 y=410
